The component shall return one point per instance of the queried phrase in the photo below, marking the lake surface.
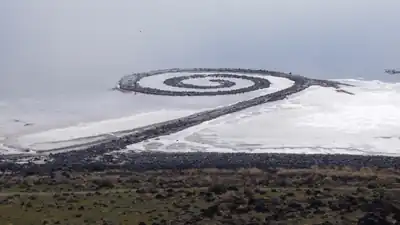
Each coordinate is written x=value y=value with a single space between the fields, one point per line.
x=58 y=60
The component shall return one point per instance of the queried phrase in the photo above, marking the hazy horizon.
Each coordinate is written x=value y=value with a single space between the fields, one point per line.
x=48 y=41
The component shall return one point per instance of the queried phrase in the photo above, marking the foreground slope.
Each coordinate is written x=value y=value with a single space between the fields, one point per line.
x=317 y=195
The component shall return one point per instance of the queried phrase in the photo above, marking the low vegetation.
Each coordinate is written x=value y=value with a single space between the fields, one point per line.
x=334 y=195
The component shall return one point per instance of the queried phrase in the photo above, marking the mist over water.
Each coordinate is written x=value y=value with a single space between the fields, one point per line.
x=58 y=60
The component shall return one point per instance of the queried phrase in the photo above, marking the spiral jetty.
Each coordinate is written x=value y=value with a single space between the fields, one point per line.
x=131 y=83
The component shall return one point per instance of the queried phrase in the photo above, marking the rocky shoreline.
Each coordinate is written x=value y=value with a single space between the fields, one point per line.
x=178 y=161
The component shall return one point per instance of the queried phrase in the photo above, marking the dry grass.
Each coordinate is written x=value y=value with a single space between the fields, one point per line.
x=197 y=196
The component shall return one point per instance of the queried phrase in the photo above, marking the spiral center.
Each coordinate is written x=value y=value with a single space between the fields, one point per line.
x=203 y=79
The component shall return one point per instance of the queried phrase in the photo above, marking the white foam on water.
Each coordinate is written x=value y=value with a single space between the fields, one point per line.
x=317 y=120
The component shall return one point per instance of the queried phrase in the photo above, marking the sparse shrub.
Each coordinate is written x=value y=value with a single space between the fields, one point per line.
x=249 y=193
x=260 y=191
x=284 y=182
x=327 y=189
x=218 y=189
x=360 y=190
x=210 y=211
x=32 y=197
x=290 y=194
x=372 y=185
x=160 y=196
x=28 y=204
x=103 y=183
x=142 y=191
x=209 y=197
x=232 y=188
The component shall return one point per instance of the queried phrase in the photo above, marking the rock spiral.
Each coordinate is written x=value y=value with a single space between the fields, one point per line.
x=221 y=80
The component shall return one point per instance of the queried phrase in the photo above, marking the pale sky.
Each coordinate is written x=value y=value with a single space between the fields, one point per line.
x=55 y=41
